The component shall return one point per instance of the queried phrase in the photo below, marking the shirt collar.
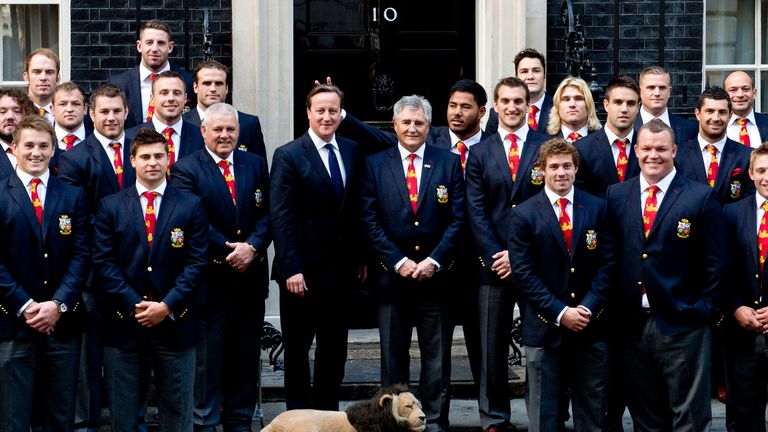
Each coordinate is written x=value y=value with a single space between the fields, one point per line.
x=404 y=152
x=663 y=184
x=144 y=72
x=160 y=126
x=230 y=158
x=613 y=137
x=521 y=133
x=47 y=108
x=320 y=143
x=5 y=145
x=79 y=133
x=200 y=113
x=26 y=178
x=759 y=200
x=553 y=197
x=469 y=142
x=720 y=145
x=584 y=131
x=160 y=189
x=646 y=116
x=750 y=117
x=106 y=141
x=539 y=103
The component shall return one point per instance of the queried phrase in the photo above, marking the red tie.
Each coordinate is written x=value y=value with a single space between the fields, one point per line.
x=514 y=156
x=412 y=183
x=168 y=132
x=762 y=236
x=150 y=219
x=743 y=133
x=621 y=161
x=117 y=160
x=574 y=136
x=229 y=178
x=151 y=108
x=41 y=111
x=69 y=140
x=36 y=203
x=565 y=223
x=713 y=166
x=532 y=110
x=649 y=211
x=462 y=148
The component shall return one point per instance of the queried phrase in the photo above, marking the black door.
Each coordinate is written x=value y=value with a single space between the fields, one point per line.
x=380 y=50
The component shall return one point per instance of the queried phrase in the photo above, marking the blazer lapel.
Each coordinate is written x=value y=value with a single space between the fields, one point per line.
x=579 y=215
x=427 y=167
x=398 y=175
x=635 y=209
x=547 y=214
x=21 y=196
x=530 y=152
x=346 y=160
x=633 y=169
x=51 y=206
x=135 y=89
x=695 y=161
x=670 y=196
x=135 y=212
x=5 y=166
x=726 y=166
x=606 y=158
x=502 y=160
x=107 y=167
x=217 y=179
x=241 y=180
x=750 y=228
x=167 y=207
x=313 y=157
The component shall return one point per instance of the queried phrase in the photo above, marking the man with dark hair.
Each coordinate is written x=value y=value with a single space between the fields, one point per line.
x=606 y=155
x=227 y=382
x=531 y=68
x=319 y=255
x=210 y=84
x=41 y=73
x=561 y=250
x=671 y=266
x=502 y=171
x=69 y=110
x=154 y=44
x=745 y=125
x=14 y=106
x=713 y=158
x=149 y=255
x=655 y=90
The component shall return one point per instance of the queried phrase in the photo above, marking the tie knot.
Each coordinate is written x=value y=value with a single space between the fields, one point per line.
x=115 y=146
x=460 y=145
x=621 y=144
x=35 y=181
x=168 y=132
x=224 y=164
x=41 y=111
x=563 y=203
x=742 y=121
x=765 y=206
x=652 y=190
x=412 y=156
x=150 y=195
x=329 y=147
x=512 y=138
x=574 y=136
x=711 y=149
x=70 y=139
x=152 y=76
x=533 y=109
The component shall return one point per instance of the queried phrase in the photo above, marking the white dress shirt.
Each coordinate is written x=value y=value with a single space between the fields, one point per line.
x=720 y=145
x=158 y=199
x=734 y=129
x=646 y=116
x=146 y=86
x=323 y=152
x=175 y=136
x=61 y=133
x=105 y=144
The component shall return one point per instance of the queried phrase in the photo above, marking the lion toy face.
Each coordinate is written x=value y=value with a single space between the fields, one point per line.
x=409 y=411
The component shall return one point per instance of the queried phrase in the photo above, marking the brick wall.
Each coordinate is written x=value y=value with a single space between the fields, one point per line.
x=104 y=34
x=638 y=42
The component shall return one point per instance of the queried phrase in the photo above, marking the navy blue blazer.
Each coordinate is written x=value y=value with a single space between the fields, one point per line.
x=129 y=81
x=491 y=193
x=492 y=126
x=684 y=129
x=6 y=168
x=250 y=138
x=597 y=167
x=682 y=263
x=89 y=167
x=191 y=138
x=247 y=222
x=171 y=272
x=548 y=277
x=42 y=264
x=316 y=234
x=732 y=182
x=761 y=120
x=394 y=231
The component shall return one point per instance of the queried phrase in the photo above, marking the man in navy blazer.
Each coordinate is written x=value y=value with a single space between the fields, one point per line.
x=211 y=87
x=414 y=213
x=238 y=276
x=671 y=267
x=746 y=319
x=655 y=89
x=607 y=156
x=574 y=116
x=713 y=158
x=154 y=45
x=43 y=267
x=531 y=68
x=319 y=254
x=561 y=250
x=501 y=171
x=69 y=113
x=14 y=106
x=149 y=254
x=745 y=125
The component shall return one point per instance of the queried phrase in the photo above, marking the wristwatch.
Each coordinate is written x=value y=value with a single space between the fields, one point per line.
x=62 y=307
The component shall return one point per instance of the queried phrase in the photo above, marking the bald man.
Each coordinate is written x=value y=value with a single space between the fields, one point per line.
x=745 y=125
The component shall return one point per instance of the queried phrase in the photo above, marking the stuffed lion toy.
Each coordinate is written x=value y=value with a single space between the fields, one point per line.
x=394 y=409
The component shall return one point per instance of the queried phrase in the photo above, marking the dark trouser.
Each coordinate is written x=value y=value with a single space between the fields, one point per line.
x=89 y=385
x=174 y=372
x=52 y=362
x=303 y=319
x=747 y=377
x=580 y=366
x=496 y=306
x=396 y=322
x=668 y=378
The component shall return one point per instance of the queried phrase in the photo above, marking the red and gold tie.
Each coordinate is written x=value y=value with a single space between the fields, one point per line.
x=743 y=133
x=762 y=236
x=412 y=183
x=36 y=203
x=462 y=148
x=565 y=223
x=514 y=156
x=574 y=136
x=151 y=108
x=713 y=166
x=117 y=160
x=41 y=111
x=229 y=178
x=532 y=123
x=150 y=219
x=649 y=211
x=69 y=141
x=167 y=133
x=621 y=160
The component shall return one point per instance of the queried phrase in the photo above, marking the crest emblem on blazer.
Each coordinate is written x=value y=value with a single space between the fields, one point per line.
x=591 y=239
x=65 y=225
x=177 y=238
x=683 y=228
x=442 y=194
x=537 y=175
x=258 y=197
x=242 y=147
x=735 y=189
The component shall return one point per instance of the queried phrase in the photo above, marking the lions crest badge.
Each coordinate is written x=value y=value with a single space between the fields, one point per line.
x=442 y=194
x=65 y=225
x=735 y=189
x=177 y=238
x=537 y=175
x=683 y=228
x=258 y=197
x=591 y=239
x=242 y=147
